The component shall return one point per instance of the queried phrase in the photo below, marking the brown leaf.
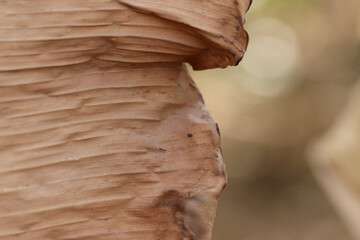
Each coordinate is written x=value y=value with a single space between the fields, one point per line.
x=103 y=134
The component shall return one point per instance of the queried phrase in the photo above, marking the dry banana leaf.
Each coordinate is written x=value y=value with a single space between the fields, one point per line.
x=103 y=134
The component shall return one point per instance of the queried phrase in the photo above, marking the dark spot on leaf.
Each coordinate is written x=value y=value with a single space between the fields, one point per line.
x=250 y=3
x=239 y=60
x=217 y=129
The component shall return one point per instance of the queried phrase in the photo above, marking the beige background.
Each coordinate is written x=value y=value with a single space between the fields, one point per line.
x=302 y=61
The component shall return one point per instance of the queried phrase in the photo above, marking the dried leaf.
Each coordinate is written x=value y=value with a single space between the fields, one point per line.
x=103 y=134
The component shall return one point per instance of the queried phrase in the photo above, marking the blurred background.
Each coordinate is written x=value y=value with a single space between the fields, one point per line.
x=293 y=85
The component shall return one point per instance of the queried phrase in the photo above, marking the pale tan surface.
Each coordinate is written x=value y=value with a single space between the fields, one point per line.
x=103 y=134
x=268 y=119
x=335 y=160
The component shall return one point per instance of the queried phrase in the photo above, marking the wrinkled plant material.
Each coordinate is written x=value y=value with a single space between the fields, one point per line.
x=103 y=134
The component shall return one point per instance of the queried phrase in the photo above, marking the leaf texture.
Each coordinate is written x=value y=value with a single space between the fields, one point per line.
x=103 y=134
